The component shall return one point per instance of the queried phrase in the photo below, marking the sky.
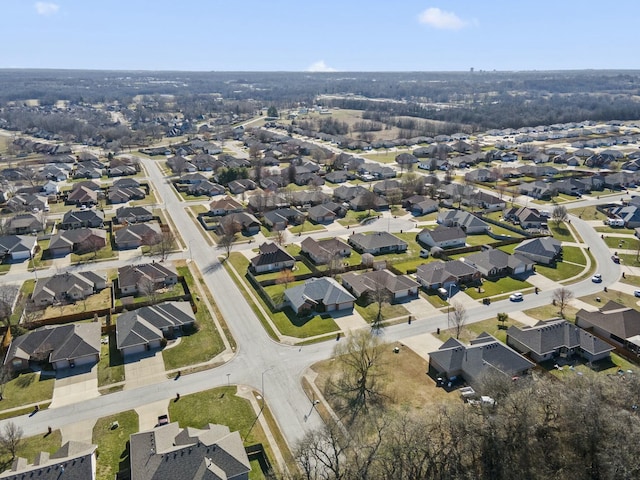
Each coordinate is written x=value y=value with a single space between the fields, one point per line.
x=320 y=35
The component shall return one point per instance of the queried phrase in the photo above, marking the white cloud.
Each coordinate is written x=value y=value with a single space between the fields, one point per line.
x=436 y=18
x=320 y=66
x=46 y=8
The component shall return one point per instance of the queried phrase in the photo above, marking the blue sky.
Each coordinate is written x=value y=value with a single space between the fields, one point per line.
x=299 y=35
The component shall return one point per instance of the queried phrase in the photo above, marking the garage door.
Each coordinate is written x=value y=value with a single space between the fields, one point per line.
x=88 y=360
x=134 y=350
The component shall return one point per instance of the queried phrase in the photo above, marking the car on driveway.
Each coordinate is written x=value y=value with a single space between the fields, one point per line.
x=636 y=293
x=516 y=297
x=597 y=278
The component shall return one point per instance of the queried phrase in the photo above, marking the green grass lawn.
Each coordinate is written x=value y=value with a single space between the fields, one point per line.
x=474 y=240
x=429 y=217
x=588 y=213
x=471 y=330
x=111 y=364
x=581 y=367
x=629 y=259
x=353 y=218
x=547 y=312
x=608 y=229
x=433 y=298
x=113 y=444
x=411 y=264
x=508 y=248
x=32 y=446
x=623 y=243
x=561 y=232
x=631 y=280
x=561 y=271
x=370 y=312
x=573 y=255
x=276 y=292
x=503 y=231
x=382 y=157
x=27 y=388
x=195 y=346
x=300 y=268
x=307 y=226
x=619 y=297
x=501 y=286
x=25 y=290
x=105 y=253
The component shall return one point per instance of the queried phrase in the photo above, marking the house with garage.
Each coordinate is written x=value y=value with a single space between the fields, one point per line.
x=124 y=194
x=78 y=241
x=242 y=185
x=127 y=215
x=630 y=215
x=83 y=195
x=281 y=218
x=435 y=275
x=24 y=223
x=483 y=356
x=527 y=218
x=136 y=235
x=615 y=323
x=377 y=243
x=76 y=460
x=323 y=294
x=557 y=338
x=67 y=287
x=271 y=258
x=326 y=212
x=134 y=279
x=207 y=188
x=496 y=263
x=91 y=218
x=420 y=205
x=224 y=206
x=489 y=202
x=465 y=220
x=60 y=346
x=443 y=237
x=28 y=202
x=544 y=250
x=322 y=251
x=209 y=453
x=239 y=222
x=397 y=287
x=145 y=328
x=16 y=248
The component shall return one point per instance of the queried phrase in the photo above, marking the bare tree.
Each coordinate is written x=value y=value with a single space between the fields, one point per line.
x=358 y=387
x=457 y=318
x=561 y=298
x=394 y=197
x=369 y=201
x=285 y=277
x=149 y=288
x=335 y=264
x=11 y=438
x=8 y=298
x=560 y=214
x=378 y=294
x=5 y=376
x=163 y=244
x=280 y=237
x=229 y=233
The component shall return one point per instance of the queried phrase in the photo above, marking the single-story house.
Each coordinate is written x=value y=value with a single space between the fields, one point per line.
x=282 y=217
x=493 y=263
x=78 y=240
x=614 y=322
x=224 y=206
x=82 y=195
x=61 y=346
x=241 y=221
x=398 y=287
x=543 y=250
x=124 y=194
x=270 y=258
x=322 y=251
x=24 y=224
x=144 y=328
x=420 y=205
x=76 y=460
x=133 y=279
x=167 y=451
x=325 y=212
x=127 y=215
x=91 y=218
x=554 y=338
x=67 y=287
x=484 y=356
x=323 y=294
x=136 y=235
x=445 y=274
x=525 y=217
x=17 y=247
x=443 y=237
x=377 y=243
x=465 y=220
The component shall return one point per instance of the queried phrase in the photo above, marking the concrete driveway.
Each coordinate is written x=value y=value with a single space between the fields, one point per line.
x=148 y=414
x=74 y=385
x=144 y=369
x=423 y=344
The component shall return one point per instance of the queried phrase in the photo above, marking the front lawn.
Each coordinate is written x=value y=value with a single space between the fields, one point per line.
x=626 y=243
x=370 y=312
x=573 y=255
x=429 y=217
x=588 y=213
x=629 y=259
x=608 y=229
x=561 y=271
x=27 y=388
x=300 y=268
x=561 y=232
x=111 y=364
x=434 y=298
x=631 y=280
x=113 y=443
x=611 y=295
x=306 y=227
x=196 y=346
x=471 y=330
x=547 y=312
x=497 y=287
x=353 y=218
x=30 y=447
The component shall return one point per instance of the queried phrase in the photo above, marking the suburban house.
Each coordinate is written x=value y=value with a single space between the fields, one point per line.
x=443 y=237
x=368 y=200
x=224 y=206
x=241 y=185
x=21 y=202
x=543 y=250
x=325 y=212
x=145 y=328
x=207 y=188
x=489 y=202
x=465 y=220
x=319 y=294
x=78 y=240
x=67 y=287
x=322 y=251
x=484 y=356
x=136 y=235
x=126 y=215
x=242 y=221
x=271 y=257
x=445 y=274
x=398 y=287
x=308 y=198
x=133 y=279
x=420 y=205
x=629 y=214
x=91 y=218
x=61 y=346
x=538 y=189
x=493 y=263
x=525 y=217
x=83 y=195
x=124 y=194
x=377 y=243
x=76 y=460
x=24 y=223
x=281 y=218
x=557 y=338
x=167 y=451
x=614 y=322
x=17 y=247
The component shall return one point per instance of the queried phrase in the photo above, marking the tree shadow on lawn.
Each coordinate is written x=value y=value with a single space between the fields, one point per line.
x=301 y=320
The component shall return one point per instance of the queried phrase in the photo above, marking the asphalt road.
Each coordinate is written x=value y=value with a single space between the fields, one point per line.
x=259 y=361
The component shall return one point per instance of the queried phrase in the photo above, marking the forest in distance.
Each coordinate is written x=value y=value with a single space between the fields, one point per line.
x=472 y=101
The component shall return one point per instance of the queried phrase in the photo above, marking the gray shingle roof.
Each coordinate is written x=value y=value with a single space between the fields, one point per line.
x=621 y=321
x=543 y=246
x=271 y=253
x=375 y=240
x=325 y=290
